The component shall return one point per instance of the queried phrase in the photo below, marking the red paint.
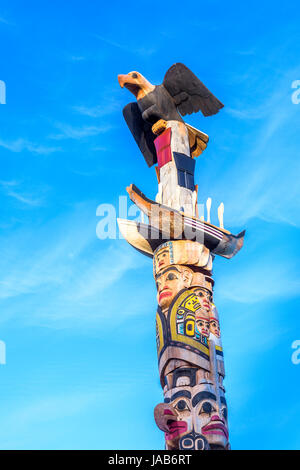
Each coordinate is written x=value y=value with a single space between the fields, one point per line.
x=163 y=148
x=215 y=426
x=163 y=294
x=176 y=428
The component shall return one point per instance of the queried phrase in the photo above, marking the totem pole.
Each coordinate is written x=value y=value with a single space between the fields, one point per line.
x=183 y=246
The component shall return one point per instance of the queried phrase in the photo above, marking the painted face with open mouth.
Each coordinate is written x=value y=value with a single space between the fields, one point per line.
x=193 y=412
x=211 y=419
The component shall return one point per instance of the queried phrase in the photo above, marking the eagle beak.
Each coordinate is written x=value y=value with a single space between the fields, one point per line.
x=122 y=80
x=130 y=83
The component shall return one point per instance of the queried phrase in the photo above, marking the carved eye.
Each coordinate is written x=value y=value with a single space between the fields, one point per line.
x=171 y=277
x=207 y=408
x=134 y=75
x=181 y=405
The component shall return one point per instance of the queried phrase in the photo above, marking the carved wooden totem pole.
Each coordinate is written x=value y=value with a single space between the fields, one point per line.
x=183 y=246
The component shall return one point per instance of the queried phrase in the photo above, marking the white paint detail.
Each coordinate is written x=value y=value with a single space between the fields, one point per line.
x=208 y=206
x=221 y=215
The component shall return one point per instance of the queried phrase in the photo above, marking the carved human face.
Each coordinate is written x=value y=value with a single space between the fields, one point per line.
x=169 y=282
x=214 y=327
x=195 y=414
x=205 y=299
x=162 y=259
x=202 y=324
x=214 y=322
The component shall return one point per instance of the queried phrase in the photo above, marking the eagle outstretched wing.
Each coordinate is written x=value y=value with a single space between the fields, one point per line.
x=189 y=93
x=141 y=131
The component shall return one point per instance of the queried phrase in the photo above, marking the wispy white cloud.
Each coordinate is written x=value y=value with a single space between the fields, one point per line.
x=25 y=199
x=7 y=184
x=262 y=281
x=68 y=275
x=77 y=58
x=61 y=410
x=3 y=20
x=19 y=145
x=246 y=52
x=100 y=149
x=132 y=49
x=48 y=259
x=51 y=407
x=100 y=110
x=263 y=172
x=99 y=276
x=77 y=133
x=13 y=189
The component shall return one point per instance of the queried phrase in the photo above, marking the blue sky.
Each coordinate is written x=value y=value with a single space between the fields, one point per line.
x=77 y=313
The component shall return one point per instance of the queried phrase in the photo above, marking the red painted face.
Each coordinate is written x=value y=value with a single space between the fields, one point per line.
x=169 y=282
x=205 y=299
x=196 y=412
x=214 y=327
x=203 y=325
x=176 y=428
x=177 y=424
x=168 y=285
x=166 y=418
x=215 y=427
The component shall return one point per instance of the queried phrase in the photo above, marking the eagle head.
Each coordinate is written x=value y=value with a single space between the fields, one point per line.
x=136 y=83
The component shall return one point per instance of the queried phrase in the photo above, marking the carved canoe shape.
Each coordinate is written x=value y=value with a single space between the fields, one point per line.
x=169 y=224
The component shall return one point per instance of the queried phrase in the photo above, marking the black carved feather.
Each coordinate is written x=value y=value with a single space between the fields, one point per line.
x=141 y=131
x=189 y=93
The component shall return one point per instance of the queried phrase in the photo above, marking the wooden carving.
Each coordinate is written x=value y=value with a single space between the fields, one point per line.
x=189 y=348
x=156 y=122
x=188 y=336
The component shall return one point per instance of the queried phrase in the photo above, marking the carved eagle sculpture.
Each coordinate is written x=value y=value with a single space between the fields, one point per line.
x=180 y=93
